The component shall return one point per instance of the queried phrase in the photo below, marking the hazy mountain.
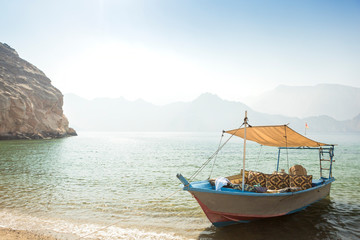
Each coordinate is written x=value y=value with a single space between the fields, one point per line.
x=337 y=101
x=208 y=112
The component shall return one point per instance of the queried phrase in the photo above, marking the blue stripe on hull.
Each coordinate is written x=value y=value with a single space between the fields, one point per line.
x=224 y=224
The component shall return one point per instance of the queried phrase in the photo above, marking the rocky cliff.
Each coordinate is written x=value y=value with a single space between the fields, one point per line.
x=30 y=107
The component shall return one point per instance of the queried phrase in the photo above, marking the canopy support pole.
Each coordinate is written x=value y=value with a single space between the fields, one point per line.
x=277 y=166
x=243 y=172
x=331 y=152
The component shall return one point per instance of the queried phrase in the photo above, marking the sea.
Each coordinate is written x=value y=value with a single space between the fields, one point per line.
x=123 y=185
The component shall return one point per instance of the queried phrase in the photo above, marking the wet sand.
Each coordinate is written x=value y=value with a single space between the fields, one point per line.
x=9 y=234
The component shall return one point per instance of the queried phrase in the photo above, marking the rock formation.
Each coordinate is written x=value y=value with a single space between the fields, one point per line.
x=30 y=107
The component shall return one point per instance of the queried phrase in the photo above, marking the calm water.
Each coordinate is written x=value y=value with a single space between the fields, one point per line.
x=72 y=187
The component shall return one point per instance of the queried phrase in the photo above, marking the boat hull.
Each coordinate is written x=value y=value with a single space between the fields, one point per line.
x=228 y=207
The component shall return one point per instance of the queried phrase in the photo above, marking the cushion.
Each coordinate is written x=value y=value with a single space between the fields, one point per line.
x=277 y=181
x=247 y=187
x=297 y=170
x=303 y=181
x=260 y=189
x=256 y=178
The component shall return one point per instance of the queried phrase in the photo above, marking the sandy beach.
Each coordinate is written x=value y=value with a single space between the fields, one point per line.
x=9 y=234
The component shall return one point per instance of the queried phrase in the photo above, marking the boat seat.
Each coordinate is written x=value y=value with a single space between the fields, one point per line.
x=317 y=182
x=234 y=179
x=237 y=179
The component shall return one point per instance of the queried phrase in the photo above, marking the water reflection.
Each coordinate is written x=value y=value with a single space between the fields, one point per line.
x=322 y=220
x=104 y=178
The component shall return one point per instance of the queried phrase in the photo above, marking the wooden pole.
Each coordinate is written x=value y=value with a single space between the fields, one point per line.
x=244 y=155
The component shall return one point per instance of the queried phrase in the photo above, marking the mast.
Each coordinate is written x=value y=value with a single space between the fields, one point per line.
x=243 y=172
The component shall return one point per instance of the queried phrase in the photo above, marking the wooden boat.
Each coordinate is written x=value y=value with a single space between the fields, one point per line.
x=230 y=206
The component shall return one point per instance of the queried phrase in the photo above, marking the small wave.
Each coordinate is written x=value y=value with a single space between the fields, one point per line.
x=125 y=233
x=69 y=230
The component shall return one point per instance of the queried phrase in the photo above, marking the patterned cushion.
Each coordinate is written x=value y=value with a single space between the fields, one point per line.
x=256 y=178
x=303 y=181
x=277 y=181
x=247 y=187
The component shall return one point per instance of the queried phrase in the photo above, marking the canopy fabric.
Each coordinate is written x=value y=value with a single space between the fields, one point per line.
x=276 y=136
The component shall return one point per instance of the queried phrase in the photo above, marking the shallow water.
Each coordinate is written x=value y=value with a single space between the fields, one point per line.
x=72 y=187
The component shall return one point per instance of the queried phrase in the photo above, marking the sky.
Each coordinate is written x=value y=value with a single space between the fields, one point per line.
x=164 y=51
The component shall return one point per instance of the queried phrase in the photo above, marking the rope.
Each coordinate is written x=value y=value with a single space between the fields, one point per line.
x=112 y=224
x=212 y=156
x=222 y=135
x=257 y=160
x=92 y=233
x=170 y=195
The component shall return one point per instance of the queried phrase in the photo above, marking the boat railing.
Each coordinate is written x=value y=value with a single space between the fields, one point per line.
x=322 y=150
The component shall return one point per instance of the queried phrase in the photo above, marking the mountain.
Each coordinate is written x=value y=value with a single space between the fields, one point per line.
x=106 y=114
x=208 y=112
x=337 y=101
x=30 y=107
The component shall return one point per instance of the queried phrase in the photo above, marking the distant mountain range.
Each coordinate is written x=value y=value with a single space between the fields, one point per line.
x=337 y=101
x=208 y=112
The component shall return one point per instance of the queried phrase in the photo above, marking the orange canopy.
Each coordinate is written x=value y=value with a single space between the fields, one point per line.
x=276 y=136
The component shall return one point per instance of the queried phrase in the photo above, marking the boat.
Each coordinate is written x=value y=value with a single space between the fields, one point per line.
x=240 y=203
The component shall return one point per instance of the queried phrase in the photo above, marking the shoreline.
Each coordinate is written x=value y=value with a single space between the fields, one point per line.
x=11 y=234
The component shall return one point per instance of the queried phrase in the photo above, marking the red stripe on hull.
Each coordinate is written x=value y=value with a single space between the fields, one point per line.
x=221 y=217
